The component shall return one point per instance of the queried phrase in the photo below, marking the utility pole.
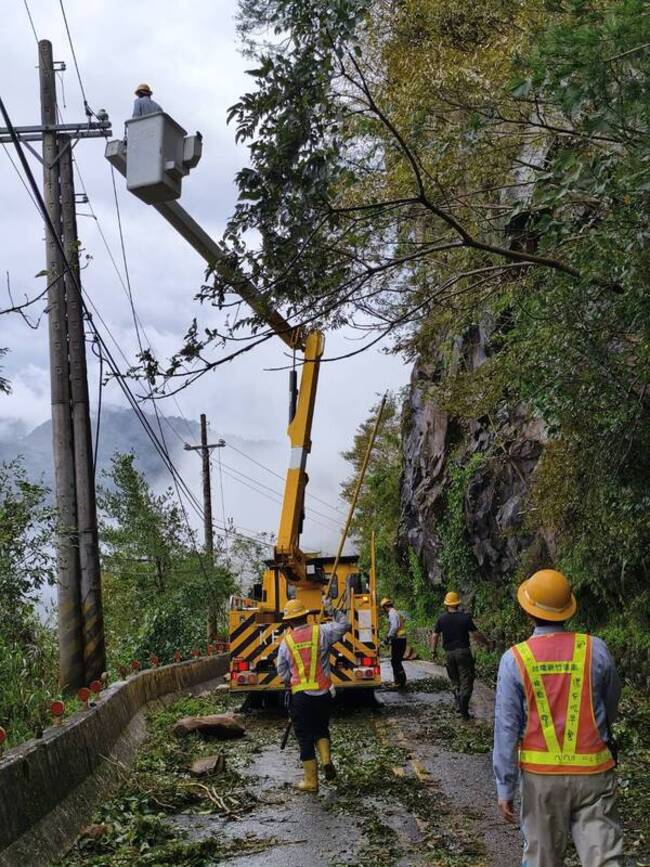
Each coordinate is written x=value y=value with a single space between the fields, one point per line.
x=82 y=656
x=92 y=620
x=71 y=659
x=208 y=531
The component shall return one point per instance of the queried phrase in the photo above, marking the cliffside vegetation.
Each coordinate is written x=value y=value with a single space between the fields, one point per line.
x=474 y=183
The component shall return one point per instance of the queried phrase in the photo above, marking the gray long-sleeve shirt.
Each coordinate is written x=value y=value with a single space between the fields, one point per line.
x=330 y=633
x=395 y=623
x=145 y=105
x=510 y=708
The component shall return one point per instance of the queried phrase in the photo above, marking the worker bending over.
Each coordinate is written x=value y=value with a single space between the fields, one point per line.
x=303 y=664
x=557 y=695
x=456 y=626
x=396 y=638
x=144 y=104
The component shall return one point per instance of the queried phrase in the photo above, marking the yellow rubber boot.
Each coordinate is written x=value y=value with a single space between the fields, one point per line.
x=325 y=756
x=310 y=781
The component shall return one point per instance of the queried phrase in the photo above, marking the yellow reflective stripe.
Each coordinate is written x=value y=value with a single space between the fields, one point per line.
x=297 y=658
x=582 y=760
x=543 y=709
x=575 y=695
x=314 y=653
x=294 y=649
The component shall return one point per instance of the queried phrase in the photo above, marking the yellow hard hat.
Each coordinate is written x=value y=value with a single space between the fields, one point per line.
x=143 y=88
x=294 y=609
x=385 y=601
x=547 y=595
x=452 y=598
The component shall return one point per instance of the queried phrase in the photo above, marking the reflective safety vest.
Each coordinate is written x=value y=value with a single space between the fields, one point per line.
x=305 y=659
x=561 y=735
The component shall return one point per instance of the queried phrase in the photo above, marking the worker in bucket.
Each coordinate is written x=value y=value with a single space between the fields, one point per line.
x=144 y=104
x=456 y=626
x=303 y=664
x=557 y=695
x=396 y=639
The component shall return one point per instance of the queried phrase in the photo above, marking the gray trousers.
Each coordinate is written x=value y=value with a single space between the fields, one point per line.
x=554 y=806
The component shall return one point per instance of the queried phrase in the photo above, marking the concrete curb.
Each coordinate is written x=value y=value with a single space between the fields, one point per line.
x=49 y=787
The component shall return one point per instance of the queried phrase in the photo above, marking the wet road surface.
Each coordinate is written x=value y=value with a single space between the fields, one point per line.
x=307 y=831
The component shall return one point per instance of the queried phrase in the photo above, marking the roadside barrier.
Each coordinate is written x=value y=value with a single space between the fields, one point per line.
x=49 y=786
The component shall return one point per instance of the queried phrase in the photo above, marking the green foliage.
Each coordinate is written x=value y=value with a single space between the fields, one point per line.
x=157 y=586
x=28 y=674
x=456 y=559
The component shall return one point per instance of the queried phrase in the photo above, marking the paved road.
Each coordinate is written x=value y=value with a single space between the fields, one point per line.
x=308 y=832
x=465 y=780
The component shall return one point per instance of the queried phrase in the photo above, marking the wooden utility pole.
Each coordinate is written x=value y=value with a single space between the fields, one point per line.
x=208 y=530
x=92 y=620
x=71 y=659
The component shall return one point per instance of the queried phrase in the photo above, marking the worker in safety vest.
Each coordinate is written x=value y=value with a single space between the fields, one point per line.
x=303 y=664
x=456 y=626
x=396 y=638
x=557 y=695
x=144 y=104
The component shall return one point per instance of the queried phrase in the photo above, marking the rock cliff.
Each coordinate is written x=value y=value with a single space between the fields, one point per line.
x=492 y=459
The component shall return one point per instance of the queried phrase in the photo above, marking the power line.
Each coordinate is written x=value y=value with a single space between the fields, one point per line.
x=101 y=341
x=20 y=177
x=31 y=21
x=223 y=500
x=87 y=108
x=278 y=476
x=277 y=493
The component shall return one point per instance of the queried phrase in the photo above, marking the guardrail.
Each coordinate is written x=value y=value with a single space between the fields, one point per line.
x=49 y=787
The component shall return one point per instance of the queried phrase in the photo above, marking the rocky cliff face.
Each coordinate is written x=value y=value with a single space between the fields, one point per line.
x=495 y=495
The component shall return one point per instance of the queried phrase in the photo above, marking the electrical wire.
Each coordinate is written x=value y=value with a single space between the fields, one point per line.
x=20 y=177
x=134 y=315
x=278 y=476
x=31 y=21
x=87 y=109
x=223 y=500
x=279 y=494
x=99 y=407
x=103 y=346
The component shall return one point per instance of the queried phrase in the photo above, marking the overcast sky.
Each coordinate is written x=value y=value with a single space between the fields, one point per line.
x=188 y=53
